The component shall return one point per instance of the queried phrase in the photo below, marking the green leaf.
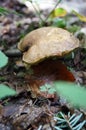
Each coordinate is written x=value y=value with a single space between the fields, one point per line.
x=58 y=12
x=5 y=11
x=72 y=92
x=73 y=28
x=6 y=91
x=47 y=88
x=51 y=91
x=3 y=59
x=59 y=22
x=43 y=89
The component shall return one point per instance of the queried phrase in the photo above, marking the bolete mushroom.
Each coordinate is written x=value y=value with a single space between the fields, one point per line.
x=41 y=45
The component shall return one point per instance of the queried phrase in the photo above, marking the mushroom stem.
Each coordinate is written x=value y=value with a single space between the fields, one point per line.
x=48 y=71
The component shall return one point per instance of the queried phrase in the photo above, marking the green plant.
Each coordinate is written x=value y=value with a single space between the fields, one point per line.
x=5 y=11
x=47 y=88
x=81 y=17
x=3 y=59
x=72 y=92
x=59 y=22
x=73 y=28
x=68 y=122
x=5 y=90
x=38 y=11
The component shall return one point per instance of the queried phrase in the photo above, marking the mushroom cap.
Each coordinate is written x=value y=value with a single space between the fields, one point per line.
x=46 y=42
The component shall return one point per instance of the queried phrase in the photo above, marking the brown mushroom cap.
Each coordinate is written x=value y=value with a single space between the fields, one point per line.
x=46 y=42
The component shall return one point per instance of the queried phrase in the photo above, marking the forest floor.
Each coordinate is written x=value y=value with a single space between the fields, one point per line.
x=27 y=111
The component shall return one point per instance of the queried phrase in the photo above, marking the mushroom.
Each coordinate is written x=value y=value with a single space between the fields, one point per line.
x=39 y=48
